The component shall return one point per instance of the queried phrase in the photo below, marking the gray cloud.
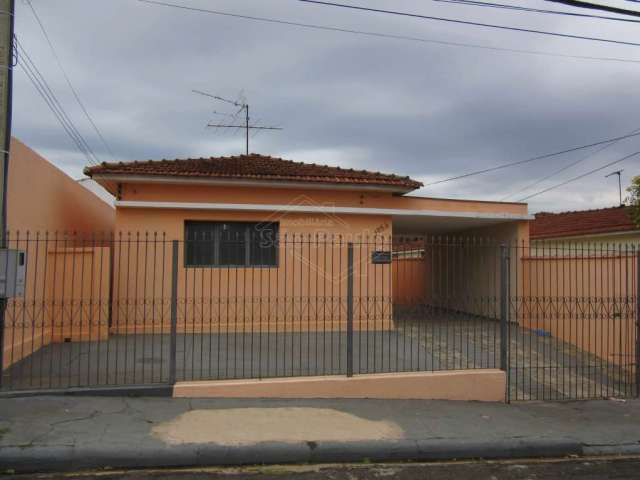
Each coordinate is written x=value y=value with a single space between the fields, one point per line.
x=425 y=110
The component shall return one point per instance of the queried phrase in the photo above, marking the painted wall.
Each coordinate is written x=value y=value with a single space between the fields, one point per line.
x=464 y=269
x=305 y=291
x=384 y=280
x=67 y=299
x=43 y=198
x=486 y=385
x=338 y=198
x=578 y=245
x=589 y=302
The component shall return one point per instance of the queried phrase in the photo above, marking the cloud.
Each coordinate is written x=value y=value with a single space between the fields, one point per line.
x=419 y=109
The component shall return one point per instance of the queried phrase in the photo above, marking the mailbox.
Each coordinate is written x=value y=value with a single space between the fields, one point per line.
x=13 y=267
x=381 y=257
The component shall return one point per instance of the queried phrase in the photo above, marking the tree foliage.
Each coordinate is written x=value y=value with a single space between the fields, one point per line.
x=634 y=199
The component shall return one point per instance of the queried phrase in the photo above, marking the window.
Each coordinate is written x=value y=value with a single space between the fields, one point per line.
x=231 y=244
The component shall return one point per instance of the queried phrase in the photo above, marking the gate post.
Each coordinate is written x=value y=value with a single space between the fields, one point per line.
x=174 y=313
x=637 y=322
x=504 y=306
x=350 y=309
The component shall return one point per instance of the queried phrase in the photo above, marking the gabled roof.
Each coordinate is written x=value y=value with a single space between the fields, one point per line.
x=251 y=167
x=581 y=223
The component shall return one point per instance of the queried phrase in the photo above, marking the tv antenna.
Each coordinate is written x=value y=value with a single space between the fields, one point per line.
x=243 y=107
x=619 y=173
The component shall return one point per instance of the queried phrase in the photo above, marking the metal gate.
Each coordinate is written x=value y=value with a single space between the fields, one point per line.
x=573 y=321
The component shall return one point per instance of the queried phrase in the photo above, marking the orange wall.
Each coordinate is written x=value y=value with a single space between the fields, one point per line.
x=338 y=198
x=294 y=282
x=588 y=302
x=67 y=297
x=307 y=290
x=485 y=385
x=410 y=277
x=43 y=198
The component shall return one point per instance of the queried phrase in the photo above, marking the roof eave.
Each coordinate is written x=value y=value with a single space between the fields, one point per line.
x=110 y=180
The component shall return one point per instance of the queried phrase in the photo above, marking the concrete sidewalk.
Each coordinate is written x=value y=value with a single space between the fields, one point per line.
x=72 y=433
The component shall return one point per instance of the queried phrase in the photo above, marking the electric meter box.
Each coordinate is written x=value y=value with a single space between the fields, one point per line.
x=13 y=268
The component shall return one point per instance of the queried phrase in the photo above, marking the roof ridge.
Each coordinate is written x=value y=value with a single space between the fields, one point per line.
x=582 y=222
x=566 y=212
x=256 y=166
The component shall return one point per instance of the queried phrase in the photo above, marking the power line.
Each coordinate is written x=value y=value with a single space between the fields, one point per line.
x=51 y=103
x=47 y=94
x=579 y=177
x=31 y=76
x=478 y=3
x=520 y=162
x=467 y=22
x=385 y=35
x=596 y=6
x=68 y=80
x=565 y=168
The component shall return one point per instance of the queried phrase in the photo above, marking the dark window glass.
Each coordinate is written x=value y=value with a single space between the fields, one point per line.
x=200 y=243
x=231 y=244
x=264 y=244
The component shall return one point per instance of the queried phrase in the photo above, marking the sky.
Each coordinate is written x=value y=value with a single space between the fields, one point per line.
x=423 y=109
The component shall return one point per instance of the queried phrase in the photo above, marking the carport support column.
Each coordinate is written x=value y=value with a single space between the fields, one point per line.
x=504 y=306
x=174 y=313
x=350 y=309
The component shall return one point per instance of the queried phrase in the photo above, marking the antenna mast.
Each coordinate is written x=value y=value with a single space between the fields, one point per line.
x=243 y=106
x=619 y=173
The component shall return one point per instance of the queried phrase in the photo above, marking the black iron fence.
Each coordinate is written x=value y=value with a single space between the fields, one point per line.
x=231 y=303
x=574 y=320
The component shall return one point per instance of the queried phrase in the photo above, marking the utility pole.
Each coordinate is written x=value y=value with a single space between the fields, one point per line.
x=619 y=174
x=244 y=107
x=7 y=10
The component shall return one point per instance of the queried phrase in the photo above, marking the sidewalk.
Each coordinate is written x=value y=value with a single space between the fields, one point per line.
x=72 y=433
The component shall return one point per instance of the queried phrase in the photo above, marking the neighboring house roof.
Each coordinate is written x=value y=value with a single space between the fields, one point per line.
x=251 y=167
x=582 y=223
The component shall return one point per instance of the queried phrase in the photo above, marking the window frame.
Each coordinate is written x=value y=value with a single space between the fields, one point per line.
x=217 y=242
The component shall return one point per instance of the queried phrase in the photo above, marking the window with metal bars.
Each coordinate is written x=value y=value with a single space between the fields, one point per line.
x=231 y=244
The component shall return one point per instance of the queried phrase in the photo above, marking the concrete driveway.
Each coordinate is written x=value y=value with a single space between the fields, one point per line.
x=542 y=368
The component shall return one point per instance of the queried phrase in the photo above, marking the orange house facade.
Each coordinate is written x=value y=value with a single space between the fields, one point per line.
x=268 y=240
x=240 y=269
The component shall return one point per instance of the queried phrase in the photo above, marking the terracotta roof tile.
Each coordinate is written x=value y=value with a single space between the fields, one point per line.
x=254 y=166
x=578 y=223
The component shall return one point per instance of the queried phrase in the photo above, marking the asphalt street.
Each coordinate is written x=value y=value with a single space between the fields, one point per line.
x=566 y=469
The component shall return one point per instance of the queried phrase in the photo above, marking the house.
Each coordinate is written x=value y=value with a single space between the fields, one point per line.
x=255 y=267
x=301 y=198
x=611 y=227
x=226 y=212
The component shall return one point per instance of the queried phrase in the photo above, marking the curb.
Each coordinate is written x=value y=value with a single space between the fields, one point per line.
x=73 y=458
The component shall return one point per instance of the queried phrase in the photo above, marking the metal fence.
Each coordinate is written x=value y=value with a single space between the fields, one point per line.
x=574 y=320
x=144 y=309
